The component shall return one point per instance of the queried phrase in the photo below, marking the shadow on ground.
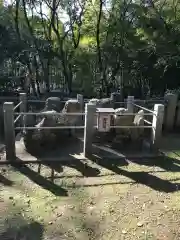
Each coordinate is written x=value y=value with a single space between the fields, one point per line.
x=83 y=167
x=167 y=163
x=40 y=180
x=26 y=231
x=110 y=159
x=5 y=181
x=79 y=165
x=66 y=147
x=146 y=178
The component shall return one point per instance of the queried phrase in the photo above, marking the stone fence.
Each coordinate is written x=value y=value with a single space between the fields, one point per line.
x=171 y=115
x=170 y=101
x=11 y=117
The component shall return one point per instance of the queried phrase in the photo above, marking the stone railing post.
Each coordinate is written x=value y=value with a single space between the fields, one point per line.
x=157 y=123
x=80 y=99
x=90 y=110
x=9 y=130
x=170 y=111
x=23 y=106
x=113 y=99
x=130 y=106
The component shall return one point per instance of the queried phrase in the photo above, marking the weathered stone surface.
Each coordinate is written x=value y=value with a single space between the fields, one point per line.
x=137 y=133
x=103 y=102
x=139 y=115
x=126 y=135
x=120 y=111
x=48 y=137
x=53 y=103
x=38 y=138
x=30 y=120
x=94 y=101
x=55 y=93
x=106 y=103
x=122 y=120
x=71 y=106
x=117 y=96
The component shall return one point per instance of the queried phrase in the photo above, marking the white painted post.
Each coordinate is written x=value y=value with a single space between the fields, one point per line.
x=90 y=110
x=23 y=107
x=157 y=123
x=170 y=111
x=9 y=130
x=130 y=106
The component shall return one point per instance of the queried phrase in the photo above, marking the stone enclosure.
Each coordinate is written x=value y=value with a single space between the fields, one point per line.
x=122 y=123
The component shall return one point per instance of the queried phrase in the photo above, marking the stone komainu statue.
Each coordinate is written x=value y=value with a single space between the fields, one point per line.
x=39 y=138
x=127 y=135
x=53 y=103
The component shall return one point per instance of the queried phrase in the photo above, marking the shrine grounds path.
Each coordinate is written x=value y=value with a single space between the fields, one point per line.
x=122 y=199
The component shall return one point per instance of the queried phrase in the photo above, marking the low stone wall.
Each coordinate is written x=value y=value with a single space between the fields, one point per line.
x=171 y=115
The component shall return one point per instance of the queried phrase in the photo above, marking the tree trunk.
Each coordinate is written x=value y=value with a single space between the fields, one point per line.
x=46 y=75
x=33 y=84
x=37 y=76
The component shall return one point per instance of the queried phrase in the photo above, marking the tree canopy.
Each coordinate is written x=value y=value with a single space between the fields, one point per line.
x=83 y=45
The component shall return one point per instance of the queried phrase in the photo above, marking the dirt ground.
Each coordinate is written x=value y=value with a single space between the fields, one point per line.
x=111 y=199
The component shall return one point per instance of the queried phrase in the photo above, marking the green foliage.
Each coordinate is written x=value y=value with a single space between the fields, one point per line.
x=92 y=43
